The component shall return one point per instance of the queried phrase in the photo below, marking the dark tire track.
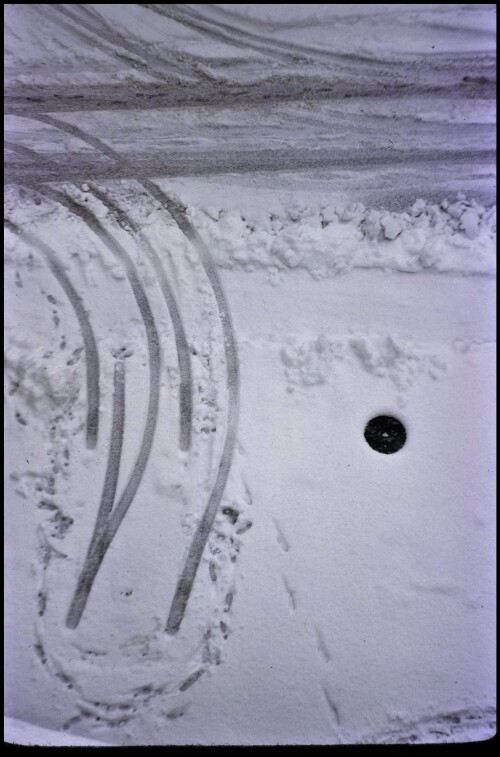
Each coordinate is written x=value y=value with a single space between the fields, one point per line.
x=115 y=445
x=193 y=559
x=97 y=144
x=84 y=37
x=182 y=347
x=143 y=167
x=26 y=152
x=104 y=32
x=218 y=32
x=98 y=97
x=108 y=493
x=239 y=37
x=183 y=356
x=90 y=347
x=171 y=63
x=113 y=521
x=178 y=213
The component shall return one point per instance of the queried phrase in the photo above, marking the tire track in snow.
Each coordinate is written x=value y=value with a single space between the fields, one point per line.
x=114 y=519
x=218 y=32
x=109 y=489
x=90 y=347
x=178 y=213
x=115 y=446
x=193 y=559
x=286 y=49
x=141 y=166
x=98 y=97
x=175 y=67
x=182 y=347
x=155 y=66
x=110 y=482
x=97 y=144
x=183 y=356
x=26 y=152
x=78 y=33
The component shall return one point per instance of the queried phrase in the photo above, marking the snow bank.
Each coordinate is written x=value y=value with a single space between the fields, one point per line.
x=329 y=240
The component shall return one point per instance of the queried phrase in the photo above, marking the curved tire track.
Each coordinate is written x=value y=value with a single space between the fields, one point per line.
x=97 y=144
x=178 y=213
x=193 y=559
x=90 y=347
x=218 y=32
x=239 y=37
x=183 y=356
x=182 y=347
x=115 y=445
x=26 y=152
x=87 y=39
x=162 y=70
x=114 y=519
x=108 y=493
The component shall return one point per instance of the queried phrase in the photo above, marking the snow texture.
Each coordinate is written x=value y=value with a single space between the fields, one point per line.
x=234 y=235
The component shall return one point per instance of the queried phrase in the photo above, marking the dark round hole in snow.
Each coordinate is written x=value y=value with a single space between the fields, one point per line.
x=385 y=434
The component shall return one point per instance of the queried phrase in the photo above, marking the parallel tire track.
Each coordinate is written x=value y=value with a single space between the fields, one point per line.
x=181 y=343
x=239 y=37
x=90 y=347
x=160 y=69
x=86 y=38
x=183 y=357
x=218 y=32
x=178 y=213
x=114 y=519
x=95 y=97
x=80 y=168
x=193 y=559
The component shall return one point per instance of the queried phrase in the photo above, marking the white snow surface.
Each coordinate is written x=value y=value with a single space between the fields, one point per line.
x=343 y=596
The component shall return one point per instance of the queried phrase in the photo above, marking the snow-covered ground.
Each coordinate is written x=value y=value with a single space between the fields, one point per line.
x=234 y=235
